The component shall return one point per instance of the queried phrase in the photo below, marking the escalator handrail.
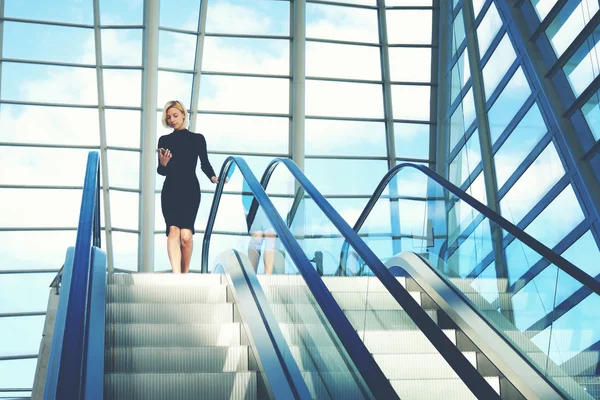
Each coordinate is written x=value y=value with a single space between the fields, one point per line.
x=549 y=254
x=68 y=372
x=366 y=365
x=455 y=358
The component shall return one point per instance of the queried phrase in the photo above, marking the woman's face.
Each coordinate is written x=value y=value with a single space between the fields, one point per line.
x=175 y=118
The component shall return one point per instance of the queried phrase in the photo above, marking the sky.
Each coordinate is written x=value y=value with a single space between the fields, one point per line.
x=66 y=126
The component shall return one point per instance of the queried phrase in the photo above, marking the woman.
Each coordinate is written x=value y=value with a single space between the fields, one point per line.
x=180 y=197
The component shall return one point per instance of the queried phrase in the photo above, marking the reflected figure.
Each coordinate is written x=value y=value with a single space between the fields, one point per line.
x=262 y=235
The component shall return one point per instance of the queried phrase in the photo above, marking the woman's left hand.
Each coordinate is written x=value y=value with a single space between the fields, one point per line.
x=214 y=179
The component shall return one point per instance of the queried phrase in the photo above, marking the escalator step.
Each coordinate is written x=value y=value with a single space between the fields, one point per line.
x=169 y=313
x=172 y=335
x=166 y=294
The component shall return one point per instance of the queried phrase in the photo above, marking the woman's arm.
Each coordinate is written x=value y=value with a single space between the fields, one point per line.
x=164 y=155
x=204 y=163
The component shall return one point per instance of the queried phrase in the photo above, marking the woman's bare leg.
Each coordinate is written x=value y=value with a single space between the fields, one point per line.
x=174 y=249
x=187 y=246
x=269 y=250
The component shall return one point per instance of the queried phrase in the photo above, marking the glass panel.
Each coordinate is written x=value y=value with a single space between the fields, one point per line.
x=342 y=61
x=345 y=138
x=235 y=133
x=42 y=166
x=411 y=102
x=123 y=169
x=176 y=50
x=25 y=293
x=124 y=209
x=125 y=250
x=458 y=32
x=497 y=65
x=123 y=128
x=184 y=16
x=48 y=84
x=583 y=66
x=50 y=249
x=174 y=86
x=122 y=88
x=255 y=18
x=48 y=43
x=59 y=208
x=508 y=103
x=21 y=335
x=477 y=6
x=296 y=311
x=353 y=177
x=122 y=47
x=461 y=120
x=61 y=125
x=487 y=29
x=259 y=56
x=563 y=214
x=519 y=144
x=591 y=112
x=341 y=23
x=521 y=303
x=539 y=178
x=461 y=73
x=231 y=93
x=17 y=373
x=121 y=13
x=412 y=140
x=409 y=26
x=543 y=7
x=465 y=161
x=356 y=100
x=410 y=64
x=70 y=11
x=569 y=23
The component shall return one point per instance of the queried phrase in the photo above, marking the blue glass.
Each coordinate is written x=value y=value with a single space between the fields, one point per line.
x=346 y=138
x=412 y=140
x=250 y=18
x=488 y=28
x=543 y=7
x=539 y=178
x=353 y=177
x=585 y=254
x=249 y=55
x=458 y=32
x=174 y=86
x=497 y=65
x=25 y=292
x=591 y=112
x=584 y=65
x=461 y=120
x=342 y=99
x=183 y=16
x=519 y=144
x=129 y=12
x=349 y=24
x=123 y=169
x=70 y=11
x=22 y=333
x=461 y=73
x=508 y=103
x=122 y=47
x=49 y=254
x=571 y=20
x=176 y=50
x=466 y=160
x=343 y=61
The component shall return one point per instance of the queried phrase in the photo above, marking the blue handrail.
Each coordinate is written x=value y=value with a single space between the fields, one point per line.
x=367 y=367
x=464 y=369
x=69 y=376
x=518 y=233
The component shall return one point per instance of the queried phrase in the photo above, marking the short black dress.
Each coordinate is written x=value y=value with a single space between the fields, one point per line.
x=180 y=196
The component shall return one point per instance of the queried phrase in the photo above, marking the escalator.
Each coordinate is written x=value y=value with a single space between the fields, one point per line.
x=331 y=321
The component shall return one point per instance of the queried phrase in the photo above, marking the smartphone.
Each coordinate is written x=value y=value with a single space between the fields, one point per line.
x=161 y=151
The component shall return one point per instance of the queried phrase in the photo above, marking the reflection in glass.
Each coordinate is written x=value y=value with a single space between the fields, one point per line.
x=497 y=65
x=353 y=177
x=465 y=161
x=458 y=32
x=488 y=28
x=461 y=120
x=461 y=73
x=508 y=103
x=569 y=23
x=543 y=7
x=539 y=178
x=519 y=144
x=584 y=65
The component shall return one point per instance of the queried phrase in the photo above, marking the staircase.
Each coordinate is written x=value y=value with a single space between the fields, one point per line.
x=174 y=337
x=414 y=367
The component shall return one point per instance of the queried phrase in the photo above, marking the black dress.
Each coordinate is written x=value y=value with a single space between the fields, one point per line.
x=180 y=196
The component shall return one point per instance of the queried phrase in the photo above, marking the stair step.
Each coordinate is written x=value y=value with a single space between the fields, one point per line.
x=165 y=279
x=169 y=313
x=354 y=284
x=401 y=342
x=419 y=366
x=180 y=386
x=173 y=335
x=166 y=294
x=384 y=320
x=427 y=389
x=298 y=294
x=176 y=360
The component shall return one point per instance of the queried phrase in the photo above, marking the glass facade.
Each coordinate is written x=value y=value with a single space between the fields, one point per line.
x=457 y=86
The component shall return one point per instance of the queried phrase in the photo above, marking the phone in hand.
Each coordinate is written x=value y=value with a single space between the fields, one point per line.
x=161 y=151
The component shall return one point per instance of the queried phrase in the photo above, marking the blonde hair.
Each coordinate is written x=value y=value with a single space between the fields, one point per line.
x=173 y=104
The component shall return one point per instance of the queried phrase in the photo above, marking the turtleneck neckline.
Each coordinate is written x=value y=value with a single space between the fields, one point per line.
x=180 y=130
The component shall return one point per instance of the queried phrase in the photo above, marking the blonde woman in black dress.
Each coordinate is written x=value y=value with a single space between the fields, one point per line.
x=178 y=155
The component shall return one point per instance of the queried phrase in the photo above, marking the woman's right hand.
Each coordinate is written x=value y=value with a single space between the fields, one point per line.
x=164 y=155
